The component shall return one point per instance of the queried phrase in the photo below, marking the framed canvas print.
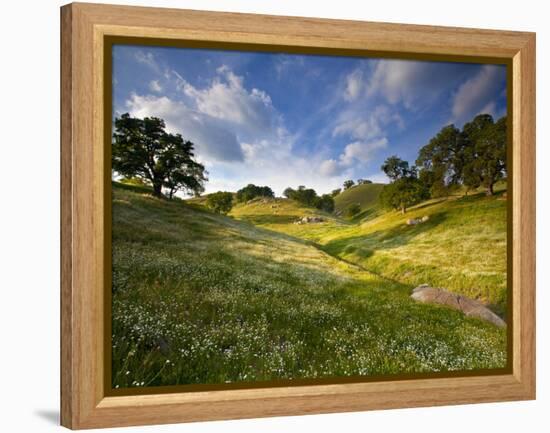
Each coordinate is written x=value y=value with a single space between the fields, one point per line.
x=270 y=216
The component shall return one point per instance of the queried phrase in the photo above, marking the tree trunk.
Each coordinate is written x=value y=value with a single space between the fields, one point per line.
x=489 y=190
x=403 y=210
x=157 y=189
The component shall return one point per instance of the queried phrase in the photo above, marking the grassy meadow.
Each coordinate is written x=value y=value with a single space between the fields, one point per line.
x=366 y=195
x=462 y=247
x=205 y=298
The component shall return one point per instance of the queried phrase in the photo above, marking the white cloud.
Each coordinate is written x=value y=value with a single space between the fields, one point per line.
x=364 y=123
x=284 y=63
x=147 y=58
x=396 y=80
x=415 y=84
x=379 y=178
x=490 y=108
x=155 y=86
x=227 y=99
x=276 y=171
x=238 y=134
x=241 y=137
x=330 y=167
x=354 y=85
x=475 y=95
x=362 y=151
x=367 y=128
x=212 y=139
x=219 y=118
x=355 y=153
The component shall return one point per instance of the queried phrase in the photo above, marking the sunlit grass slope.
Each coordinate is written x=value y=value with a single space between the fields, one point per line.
x=462 y=247
x=281 y=214
x=366 y=195
x=205 y=298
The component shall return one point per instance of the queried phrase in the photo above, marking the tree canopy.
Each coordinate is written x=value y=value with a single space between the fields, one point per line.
x=303 y=195
x=309 y=197
x=485 y=154
x=363 y=181
x=473 y=157
x=348 y=184
x=143 y=149
x=395 y=167
x=220 y=202
x=441 y=160
x=252 y=191
x=326 y=203
x=405 y=189
x=403 y=193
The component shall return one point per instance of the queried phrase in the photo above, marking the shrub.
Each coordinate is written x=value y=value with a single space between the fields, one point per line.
x=363 y=181
x=353 y=209
x=326 y=203
x=220 y=202
x=348 y=184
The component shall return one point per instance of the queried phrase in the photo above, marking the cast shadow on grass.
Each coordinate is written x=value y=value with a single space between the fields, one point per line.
x=480 y=195
x=364 y=246
x=269 y=219
x=429 y=203
x=365 y=215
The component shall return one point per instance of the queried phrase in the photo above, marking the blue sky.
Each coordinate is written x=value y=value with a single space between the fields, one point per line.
x=288 y=120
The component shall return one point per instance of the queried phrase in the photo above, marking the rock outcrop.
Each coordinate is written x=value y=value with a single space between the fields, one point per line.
x=415 y=221
x=470 y=307
x=310 y=219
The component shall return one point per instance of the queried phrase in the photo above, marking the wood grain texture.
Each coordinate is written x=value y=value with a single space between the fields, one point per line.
x=67 y=387
x=524 y=216
x=84 y=26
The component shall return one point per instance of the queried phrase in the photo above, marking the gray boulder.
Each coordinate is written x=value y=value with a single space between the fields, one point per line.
x=470 y=307
x=415 y=221
x=310 y=220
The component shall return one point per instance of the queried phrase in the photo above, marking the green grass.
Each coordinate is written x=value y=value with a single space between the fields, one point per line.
x=462 y=247
x=280 y=214
x=365 y=195
x=205 y=298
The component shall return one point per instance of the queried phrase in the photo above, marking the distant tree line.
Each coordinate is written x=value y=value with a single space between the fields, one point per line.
x=252 y=191
x=473 y=157
x=222 y=202
x=144 y=152
x=350 y=183
x=309 y=197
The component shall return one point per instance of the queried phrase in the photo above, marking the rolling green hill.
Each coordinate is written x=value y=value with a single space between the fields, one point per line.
x=281 y=214
x=462 y=247
x=206 y=298
x=365 y=195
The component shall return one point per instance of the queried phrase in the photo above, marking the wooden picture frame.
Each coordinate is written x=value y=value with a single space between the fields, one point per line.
x=85 y=402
